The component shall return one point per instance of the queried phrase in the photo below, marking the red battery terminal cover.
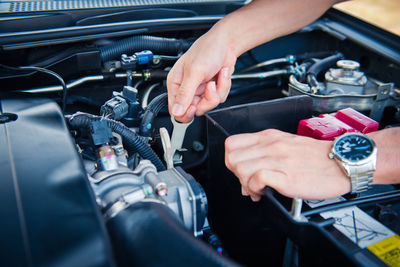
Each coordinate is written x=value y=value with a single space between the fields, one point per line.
x=329 y=126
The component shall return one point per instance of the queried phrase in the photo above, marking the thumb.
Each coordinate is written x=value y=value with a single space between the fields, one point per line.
x=184 y=96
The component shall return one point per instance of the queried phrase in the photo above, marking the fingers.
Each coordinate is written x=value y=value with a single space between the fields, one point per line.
x=241 y=141
x=255 y=198
x=217 y=93
x=263 y=178
x=254 y=152
x=248 y=169
x=251 y=159
x=185 y=83
x=182 y=97
x=174 y=80
x=244 y=191
x=189 y=114
x=247 y=153
x=209 y=100
x=224 y=84
x=200 y=90
x=245 y=169
x=191 y=111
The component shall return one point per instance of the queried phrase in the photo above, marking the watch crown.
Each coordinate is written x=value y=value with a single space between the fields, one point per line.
x=331 y=156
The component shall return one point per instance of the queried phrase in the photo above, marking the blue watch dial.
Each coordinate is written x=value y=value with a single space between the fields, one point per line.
x=354 y=147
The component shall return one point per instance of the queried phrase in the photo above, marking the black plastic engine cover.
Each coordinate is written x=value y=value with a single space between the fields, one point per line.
x=49 y=215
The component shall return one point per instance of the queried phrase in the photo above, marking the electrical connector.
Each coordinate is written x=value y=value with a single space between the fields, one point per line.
x=144 y=57
x=138 y=58
x=101 y=133
x=116 y=108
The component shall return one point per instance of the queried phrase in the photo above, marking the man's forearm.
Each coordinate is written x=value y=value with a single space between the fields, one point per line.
x=264 y=20
x=388 y=165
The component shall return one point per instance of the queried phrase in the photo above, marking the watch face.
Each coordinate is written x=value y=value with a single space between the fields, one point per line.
x=354 y=147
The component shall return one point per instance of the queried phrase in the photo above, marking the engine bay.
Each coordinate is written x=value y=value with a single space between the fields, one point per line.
x=92 y=161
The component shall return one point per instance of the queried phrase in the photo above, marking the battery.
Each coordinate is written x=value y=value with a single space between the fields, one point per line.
x=329 y=126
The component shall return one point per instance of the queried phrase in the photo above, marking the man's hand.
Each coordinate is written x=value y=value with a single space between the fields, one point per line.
x=201 y=78
x=295 y=166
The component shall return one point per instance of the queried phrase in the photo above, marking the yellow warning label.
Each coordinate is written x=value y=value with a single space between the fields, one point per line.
x=388 y=250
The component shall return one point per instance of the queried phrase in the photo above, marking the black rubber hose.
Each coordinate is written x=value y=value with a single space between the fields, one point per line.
x=131 y=140
x=160 y=45
x=158 y=75
x=150 y=234
x=320 y=66
x=152 y=110
x=318 y=54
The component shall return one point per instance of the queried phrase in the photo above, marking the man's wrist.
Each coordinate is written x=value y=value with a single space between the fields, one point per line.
x=225 y=30
x=342 y=181
x=388 y=162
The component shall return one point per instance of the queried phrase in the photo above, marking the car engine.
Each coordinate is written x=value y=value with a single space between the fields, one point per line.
x=93 y=174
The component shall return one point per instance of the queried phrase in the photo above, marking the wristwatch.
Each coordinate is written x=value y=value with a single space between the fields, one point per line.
x=356 y=154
